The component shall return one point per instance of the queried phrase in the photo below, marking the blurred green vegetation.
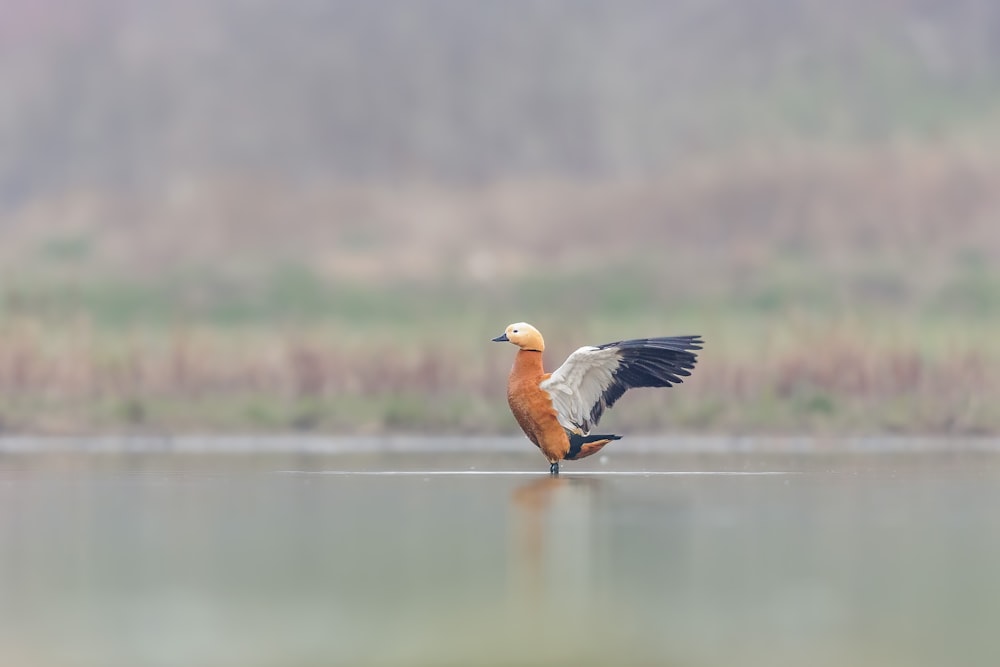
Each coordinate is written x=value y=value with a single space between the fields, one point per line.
x=193 y=351
x=964 y=298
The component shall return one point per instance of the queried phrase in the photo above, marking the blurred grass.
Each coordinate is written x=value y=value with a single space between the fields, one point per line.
x=838 y=291
x=782 y=355
x=966 y=293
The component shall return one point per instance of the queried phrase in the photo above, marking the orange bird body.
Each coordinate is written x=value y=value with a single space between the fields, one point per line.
x=556 y=410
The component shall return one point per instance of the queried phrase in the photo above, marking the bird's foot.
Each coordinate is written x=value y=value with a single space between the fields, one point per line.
x=554 y=468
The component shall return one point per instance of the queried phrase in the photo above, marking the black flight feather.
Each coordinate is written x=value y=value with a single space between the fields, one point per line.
x=648 y=362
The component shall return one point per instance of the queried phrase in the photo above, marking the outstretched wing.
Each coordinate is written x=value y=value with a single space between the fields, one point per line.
x=593 y=378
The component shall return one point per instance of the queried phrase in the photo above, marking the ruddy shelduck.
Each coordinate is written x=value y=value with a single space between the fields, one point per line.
x=557 y=410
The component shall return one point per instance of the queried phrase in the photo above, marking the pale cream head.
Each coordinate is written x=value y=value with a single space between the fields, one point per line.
x=523 y=335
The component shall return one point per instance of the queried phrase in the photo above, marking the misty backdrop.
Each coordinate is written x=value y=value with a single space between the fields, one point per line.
x=237 y=213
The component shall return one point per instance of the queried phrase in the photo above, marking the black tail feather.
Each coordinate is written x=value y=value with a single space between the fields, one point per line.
x=576 y=442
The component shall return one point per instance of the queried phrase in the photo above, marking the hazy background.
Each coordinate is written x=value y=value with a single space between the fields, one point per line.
x=237 y=215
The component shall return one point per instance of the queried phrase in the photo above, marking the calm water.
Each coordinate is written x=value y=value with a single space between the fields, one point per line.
x=477 y=559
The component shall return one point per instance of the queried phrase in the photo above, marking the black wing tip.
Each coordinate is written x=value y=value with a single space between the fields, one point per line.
x=648 y=362
x=651 y=362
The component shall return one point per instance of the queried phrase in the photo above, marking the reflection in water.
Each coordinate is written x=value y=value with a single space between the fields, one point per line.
x=552 y=541
x=555 y=560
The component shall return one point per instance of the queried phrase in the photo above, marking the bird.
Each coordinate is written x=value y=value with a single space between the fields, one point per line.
x=557 y=410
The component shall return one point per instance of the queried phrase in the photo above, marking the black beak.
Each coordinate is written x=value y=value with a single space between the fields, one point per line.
x=502 y=338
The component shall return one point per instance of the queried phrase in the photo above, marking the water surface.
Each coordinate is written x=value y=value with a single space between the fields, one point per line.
x=408 y=558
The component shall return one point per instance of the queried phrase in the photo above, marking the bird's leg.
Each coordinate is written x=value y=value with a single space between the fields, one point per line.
x=554 y=468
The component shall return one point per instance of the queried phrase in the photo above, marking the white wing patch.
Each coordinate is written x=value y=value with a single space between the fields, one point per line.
x=579 y=384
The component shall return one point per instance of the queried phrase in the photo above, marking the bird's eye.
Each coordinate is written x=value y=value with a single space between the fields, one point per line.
x=514 y=331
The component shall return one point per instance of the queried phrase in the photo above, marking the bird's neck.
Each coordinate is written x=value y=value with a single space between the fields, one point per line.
x=527 y=363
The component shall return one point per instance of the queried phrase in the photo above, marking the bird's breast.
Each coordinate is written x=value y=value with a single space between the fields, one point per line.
x=532 y=408
x=529 y=402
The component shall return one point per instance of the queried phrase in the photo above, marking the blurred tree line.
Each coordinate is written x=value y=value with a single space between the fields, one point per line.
x=132 y=94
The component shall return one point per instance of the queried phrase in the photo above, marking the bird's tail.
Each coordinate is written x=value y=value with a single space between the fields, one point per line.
x=582 y=446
